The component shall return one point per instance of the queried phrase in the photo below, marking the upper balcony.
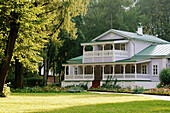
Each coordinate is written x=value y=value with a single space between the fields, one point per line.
x=105 y=51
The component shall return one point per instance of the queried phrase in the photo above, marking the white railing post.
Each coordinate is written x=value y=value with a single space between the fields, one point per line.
x=103 y=53
x=84 y=55
x=135 y=71
x=113 y=54
x=65 y=73
x=103 y=71
x=93 y=52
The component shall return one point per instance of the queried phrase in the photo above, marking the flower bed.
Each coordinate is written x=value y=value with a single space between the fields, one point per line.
x=53 y=89
x=160 y=91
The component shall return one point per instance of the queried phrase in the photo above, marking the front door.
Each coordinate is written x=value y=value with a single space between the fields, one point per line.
x=98 y=73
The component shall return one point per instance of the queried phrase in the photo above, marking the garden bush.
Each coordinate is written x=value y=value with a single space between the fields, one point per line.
x=164 y=76
x=30 y=82
x=6 y=90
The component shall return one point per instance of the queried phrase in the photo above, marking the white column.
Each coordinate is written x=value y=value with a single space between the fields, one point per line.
x=103 y=53
x=103 y=71
x=69 y=70
x=124 y=69
x=65 y=73
x=113 y=56
x=135 y=70
x=83 y=52
x=113 y=68
x=93 y=72
x=83 y=71
x=93 y=52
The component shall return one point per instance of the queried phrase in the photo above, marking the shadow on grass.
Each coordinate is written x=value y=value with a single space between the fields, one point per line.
x=156 y=106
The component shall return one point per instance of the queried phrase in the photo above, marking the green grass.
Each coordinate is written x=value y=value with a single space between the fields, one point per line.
x=81 y=103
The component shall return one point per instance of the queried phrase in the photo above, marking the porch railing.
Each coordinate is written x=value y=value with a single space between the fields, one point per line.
x=126 y=76
x=106 y=53
x=79 y=77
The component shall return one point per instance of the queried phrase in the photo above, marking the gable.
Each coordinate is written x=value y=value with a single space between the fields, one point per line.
x=110 y=36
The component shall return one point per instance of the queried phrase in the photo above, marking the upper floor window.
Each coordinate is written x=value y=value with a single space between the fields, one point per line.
x=120 y=47
x=155 y=69
x=144 y=69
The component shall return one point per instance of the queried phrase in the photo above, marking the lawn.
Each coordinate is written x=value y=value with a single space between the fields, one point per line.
x=81 y=103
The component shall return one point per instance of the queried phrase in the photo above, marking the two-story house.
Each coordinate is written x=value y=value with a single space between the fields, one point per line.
x=133 y=58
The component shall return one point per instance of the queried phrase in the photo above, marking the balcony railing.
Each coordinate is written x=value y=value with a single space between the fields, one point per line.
x=79 y=77
x=118 y=53
x=127 y=76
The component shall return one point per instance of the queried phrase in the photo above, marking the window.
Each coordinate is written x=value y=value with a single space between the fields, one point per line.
x=121 y=69
x=122 y=47
x=132 y=69
x=144 y=69
x=155 y=69
x=75 y=70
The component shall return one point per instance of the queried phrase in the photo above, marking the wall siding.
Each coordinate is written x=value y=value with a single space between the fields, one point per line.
x=140 y=45
x=110 y=36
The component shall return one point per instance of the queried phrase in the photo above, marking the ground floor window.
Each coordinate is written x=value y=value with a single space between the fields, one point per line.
x=155 y=69
x=75 y=70
x=144 y=69
x=132 y=69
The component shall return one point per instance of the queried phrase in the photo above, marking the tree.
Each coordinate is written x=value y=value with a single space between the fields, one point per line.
x=26 y=25
x=98 y=17
x=154 y=16
x=164 y=76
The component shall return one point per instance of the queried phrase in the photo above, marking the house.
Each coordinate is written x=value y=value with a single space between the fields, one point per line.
x=133 y=58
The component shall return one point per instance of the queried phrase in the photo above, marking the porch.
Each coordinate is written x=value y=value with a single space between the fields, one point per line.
x=86 y=72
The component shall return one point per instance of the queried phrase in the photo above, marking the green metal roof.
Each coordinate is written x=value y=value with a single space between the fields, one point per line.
x=144 y=37
x=154 y=51
x=132 y=60
x=79 y=58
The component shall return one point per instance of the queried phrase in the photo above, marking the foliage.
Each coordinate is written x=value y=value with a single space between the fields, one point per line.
x=164 y=76
x=32 y=81
x=158 y=91
x=154 y=16
x=76 y=88
x=111 y=83
x=6 y=90
x=137 y=89
x=38 y=89
x=98 y=17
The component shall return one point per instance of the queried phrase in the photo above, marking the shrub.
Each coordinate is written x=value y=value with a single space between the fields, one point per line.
x=6 y=90
x=164 y=76
x=30 y=82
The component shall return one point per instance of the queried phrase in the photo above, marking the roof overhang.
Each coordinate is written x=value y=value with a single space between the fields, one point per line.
x=105 y=42
x=107 y=63
x=110 y=31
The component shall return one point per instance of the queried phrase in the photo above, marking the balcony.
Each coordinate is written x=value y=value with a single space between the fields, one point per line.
x=108 y=55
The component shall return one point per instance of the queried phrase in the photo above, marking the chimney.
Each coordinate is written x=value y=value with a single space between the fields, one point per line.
x=140 y=29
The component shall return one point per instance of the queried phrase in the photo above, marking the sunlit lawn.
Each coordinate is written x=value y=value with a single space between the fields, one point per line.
x=81 y=103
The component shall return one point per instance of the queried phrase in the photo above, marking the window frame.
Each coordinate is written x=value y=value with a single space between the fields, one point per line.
x=146 y=70
x=157 y=69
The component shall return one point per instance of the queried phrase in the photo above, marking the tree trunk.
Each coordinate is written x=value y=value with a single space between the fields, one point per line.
x=54 y=70
x=5 y=64
x=18 y=74
x=45 y=70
